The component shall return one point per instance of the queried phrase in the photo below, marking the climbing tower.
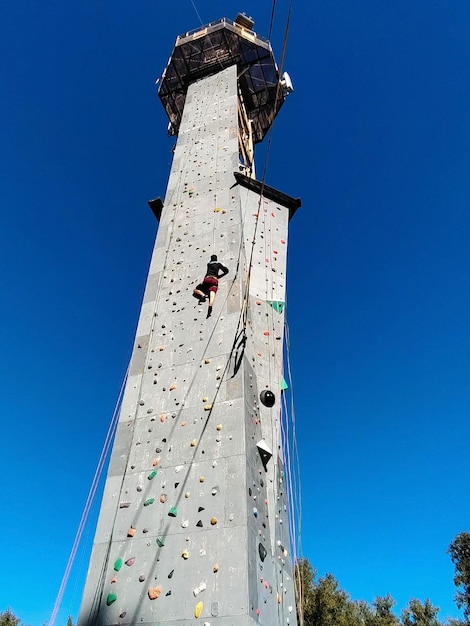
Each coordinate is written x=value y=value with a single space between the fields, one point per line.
x=194 y=525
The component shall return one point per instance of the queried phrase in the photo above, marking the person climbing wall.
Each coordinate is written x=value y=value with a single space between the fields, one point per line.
x=209 y=286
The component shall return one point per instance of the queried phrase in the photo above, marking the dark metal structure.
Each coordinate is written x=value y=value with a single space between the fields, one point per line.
x=207 y=50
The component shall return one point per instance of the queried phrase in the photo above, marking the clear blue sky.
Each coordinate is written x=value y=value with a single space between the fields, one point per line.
x=376 y=141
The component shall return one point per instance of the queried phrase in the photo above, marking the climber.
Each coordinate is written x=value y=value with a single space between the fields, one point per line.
x=209 y=285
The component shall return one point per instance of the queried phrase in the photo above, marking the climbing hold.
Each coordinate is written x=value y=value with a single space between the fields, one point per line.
x=264 y=452
x=172 y=512
x=193 y=443
x=156 y=462
x=262 y=552
x=266 y=333
x=163 y=498
x=162 y=418
x=197 y=590
x=255 y=511
x=205 y=399
x=141 y=578
x=113 y=580
x=152 y=475
x=130 y=561
x=112 y=597
x=185 y=523
x=219 y=427
x=200 y=509
x=213 y=521
x=154 y=592
x=215 y=568
x=198 y=609
x=170 y=575
x=284 y=385
x=173 y=387
x=199 y=524
x=267 y=398
x=117 y=565
x=185 y=555
x=207 y=407
x=160 y=542
x=124 y=505
x=207 y=361
x=187 y=494
x=277 y=305
x=201 y=479
x=149 y=501
x=131 y=532
x=183 y=423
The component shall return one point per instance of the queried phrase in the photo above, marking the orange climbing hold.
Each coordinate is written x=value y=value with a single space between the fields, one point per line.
x=173 y=387
x=131 y=532
x=154 y=592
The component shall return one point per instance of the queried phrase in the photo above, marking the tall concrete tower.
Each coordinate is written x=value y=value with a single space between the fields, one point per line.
x=194 y=525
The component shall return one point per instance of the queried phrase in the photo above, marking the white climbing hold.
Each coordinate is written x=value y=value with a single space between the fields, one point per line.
x=197 y=590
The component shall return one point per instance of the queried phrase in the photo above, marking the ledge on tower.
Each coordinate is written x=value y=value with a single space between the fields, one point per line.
x=216 y=46
x=269 y=192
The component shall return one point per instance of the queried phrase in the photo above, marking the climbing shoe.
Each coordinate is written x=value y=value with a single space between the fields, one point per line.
x=209 y=311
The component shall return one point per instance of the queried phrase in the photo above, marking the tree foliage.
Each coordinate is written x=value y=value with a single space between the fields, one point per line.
x=7 y=618
x=459 y=551
x=418 y=614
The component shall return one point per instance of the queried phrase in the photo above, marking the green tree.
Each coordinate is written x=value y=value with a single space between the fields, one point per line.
x=381 y=613
x=321 y=602
x=459 y=551
x=7 y=618
x=418 y=614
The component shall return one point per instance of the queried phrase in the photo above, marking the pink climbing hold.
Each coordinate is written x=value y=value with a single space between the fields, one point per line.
x=266 y=333
x=130 y=561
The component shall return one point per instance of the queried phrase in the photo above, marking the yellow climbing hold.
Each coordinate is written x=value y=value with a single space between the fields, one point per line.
x=207 y=407
x=207 y=361
x=215 y=569
x=201 y=479
x=216 y=210
x=219 y=427
x=193 y=443
x=205 y=399
x=198 y=609
x=185 y=555
x=213 y=521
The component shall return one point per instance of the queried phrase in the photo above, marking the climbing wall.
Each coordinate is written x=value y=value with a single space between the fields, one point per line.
x=193 y=525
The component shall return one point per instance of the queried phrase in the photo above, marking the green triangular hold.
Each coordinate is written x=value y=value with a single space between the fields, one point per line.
x=284 y=385
x=277 y=305
x=172 y=511
x=112 y=597
x=117 y=565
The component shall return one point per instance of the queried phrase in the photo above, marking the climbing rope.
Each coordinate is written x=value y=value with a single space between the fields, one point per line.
x=89 y=501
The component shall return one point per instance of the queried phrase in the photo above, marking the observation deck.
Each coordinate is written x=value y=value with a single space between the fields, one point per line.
x=211 y=48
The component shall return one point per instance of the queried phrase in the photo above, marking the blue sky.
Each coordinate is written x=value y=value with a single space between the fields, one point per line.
x=375 y=140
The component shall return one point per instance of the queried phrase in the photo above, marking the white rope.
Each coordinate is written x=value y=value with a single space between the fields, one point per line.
x=89 y=501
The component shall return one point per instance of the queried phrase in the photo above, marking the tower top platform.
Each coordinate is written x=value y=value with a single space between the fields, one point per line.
x=208 y=49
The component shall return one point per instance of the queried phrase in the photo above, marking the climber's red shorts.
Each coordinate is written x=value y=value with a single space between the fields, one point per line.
x=210 y=283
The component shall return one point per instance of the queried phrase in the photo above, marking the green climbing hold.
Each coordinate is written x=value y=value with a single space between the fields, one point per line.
x=277 y=305
x=112 y=597
x=160 y=542
x=149 y=501
x=284 y=385
x=152 y=474
x=117 y=565
x=172 y=512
